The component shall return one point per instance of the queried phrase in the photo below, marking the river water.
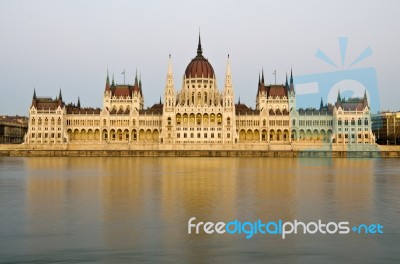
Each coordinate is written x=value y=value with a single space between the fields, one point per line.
x=136 y=210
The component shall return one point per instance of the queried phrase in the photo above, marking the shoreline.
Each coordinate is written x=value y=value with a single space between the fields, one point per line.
x=115 y=150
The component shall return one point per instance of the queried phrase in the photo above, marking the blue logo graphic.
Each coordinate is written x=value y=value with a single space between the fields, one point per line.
x=281 y=228
x=350 y=82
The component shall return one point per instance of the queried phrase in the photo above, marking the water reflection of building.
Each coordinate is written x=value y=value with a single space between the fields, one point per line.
x=59 y=192
x=272 y=187
x=203 y=187
x=334 y=190
x=124 y=198
x=354 y=185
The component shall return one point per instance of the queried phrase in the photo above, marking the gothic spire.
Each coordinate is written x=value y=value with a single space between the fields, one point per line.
x=107 y=80
x=113 y=83
x=365 y=99
x=286 y=83
x=34 y=93
x=60 y=95
x=107 y=83
x=136 y=79
x=321 y=105
x=170 y=77
x=339 y=99
x=79 y=103
x=291 y=76
x=262 y=76
x=199 y=49
x=169 y=73
x=291 y=81
x=228 y=75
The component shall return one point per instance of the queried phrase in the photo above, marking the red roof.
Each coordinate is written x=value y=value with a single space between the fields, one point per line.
x=199 y=67
x=122 y=90
x=277 y=90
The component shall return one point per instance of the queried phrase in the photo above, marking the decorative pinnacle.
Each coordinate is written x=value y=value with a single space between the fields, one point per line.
x=199 y=49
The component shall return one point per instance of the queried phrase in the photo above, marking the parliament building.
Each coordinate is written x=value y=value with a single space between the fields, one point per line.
x=199 y=115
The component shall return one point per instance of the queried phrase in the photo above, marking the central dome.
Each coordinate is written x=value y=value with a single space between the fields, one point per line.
x=199 y=67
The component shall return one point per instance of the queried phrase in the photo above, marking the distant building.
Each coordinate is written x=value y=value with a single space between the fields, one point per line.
x=13 y=129
x=199 y=114
x=386 y=127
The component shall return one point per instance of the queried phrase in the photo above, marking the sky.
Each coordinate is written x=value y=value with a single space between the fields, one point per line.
x=69 y=45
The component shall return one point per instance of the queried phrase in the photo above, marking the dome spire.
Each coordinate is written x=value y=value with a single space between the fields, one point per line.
x=199 y=49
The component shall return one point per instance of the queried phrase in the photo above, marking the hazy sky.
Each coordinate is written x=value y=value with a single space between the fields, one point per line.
x=69 y=44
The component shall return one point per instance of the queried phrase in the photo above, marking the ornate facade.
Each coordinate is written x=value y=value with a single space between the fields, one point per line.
x=199 y=114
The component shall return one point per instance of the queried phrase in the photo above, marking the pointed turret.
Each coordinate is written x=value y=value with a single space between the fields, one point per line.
x=170 y=78
x=339 y=99
x=199 y=49
x=34 y=98
x=60 y=102
x=262 y=76
x=169 y=91
x=136 y=79
x=228 y=75
x=113 y=83
x=107 y=88
x=140 y=83
x=287 y=83
x=321 y=105
x=79 y=103
x=291 y=88
x=365 y=99
x=228 y=89
x=291 y=92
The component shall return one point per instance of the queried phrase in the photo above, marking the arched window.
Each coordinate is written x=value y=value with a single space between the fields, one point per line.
x=366 y=122
x=339 y=122
x=294 y=122
x=228 y=121
x=178 y=119
x=169 y=121
x=353 y=122
x=219 y=119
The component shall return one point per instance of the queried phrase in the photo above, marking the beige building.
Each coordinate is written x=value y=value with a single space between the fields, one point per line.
x=199 y=115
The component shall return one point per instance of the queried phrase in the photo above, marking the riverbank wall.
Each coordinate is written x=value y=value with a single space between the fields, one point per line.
x=238 y=150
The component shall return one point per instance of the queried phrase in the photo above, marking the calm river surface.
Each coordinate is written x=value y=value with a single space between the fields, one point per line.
x=136 y=210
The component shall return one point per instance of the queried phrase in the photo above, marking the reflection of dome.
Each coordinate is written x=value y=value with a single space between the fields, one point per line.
x=199 y=66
